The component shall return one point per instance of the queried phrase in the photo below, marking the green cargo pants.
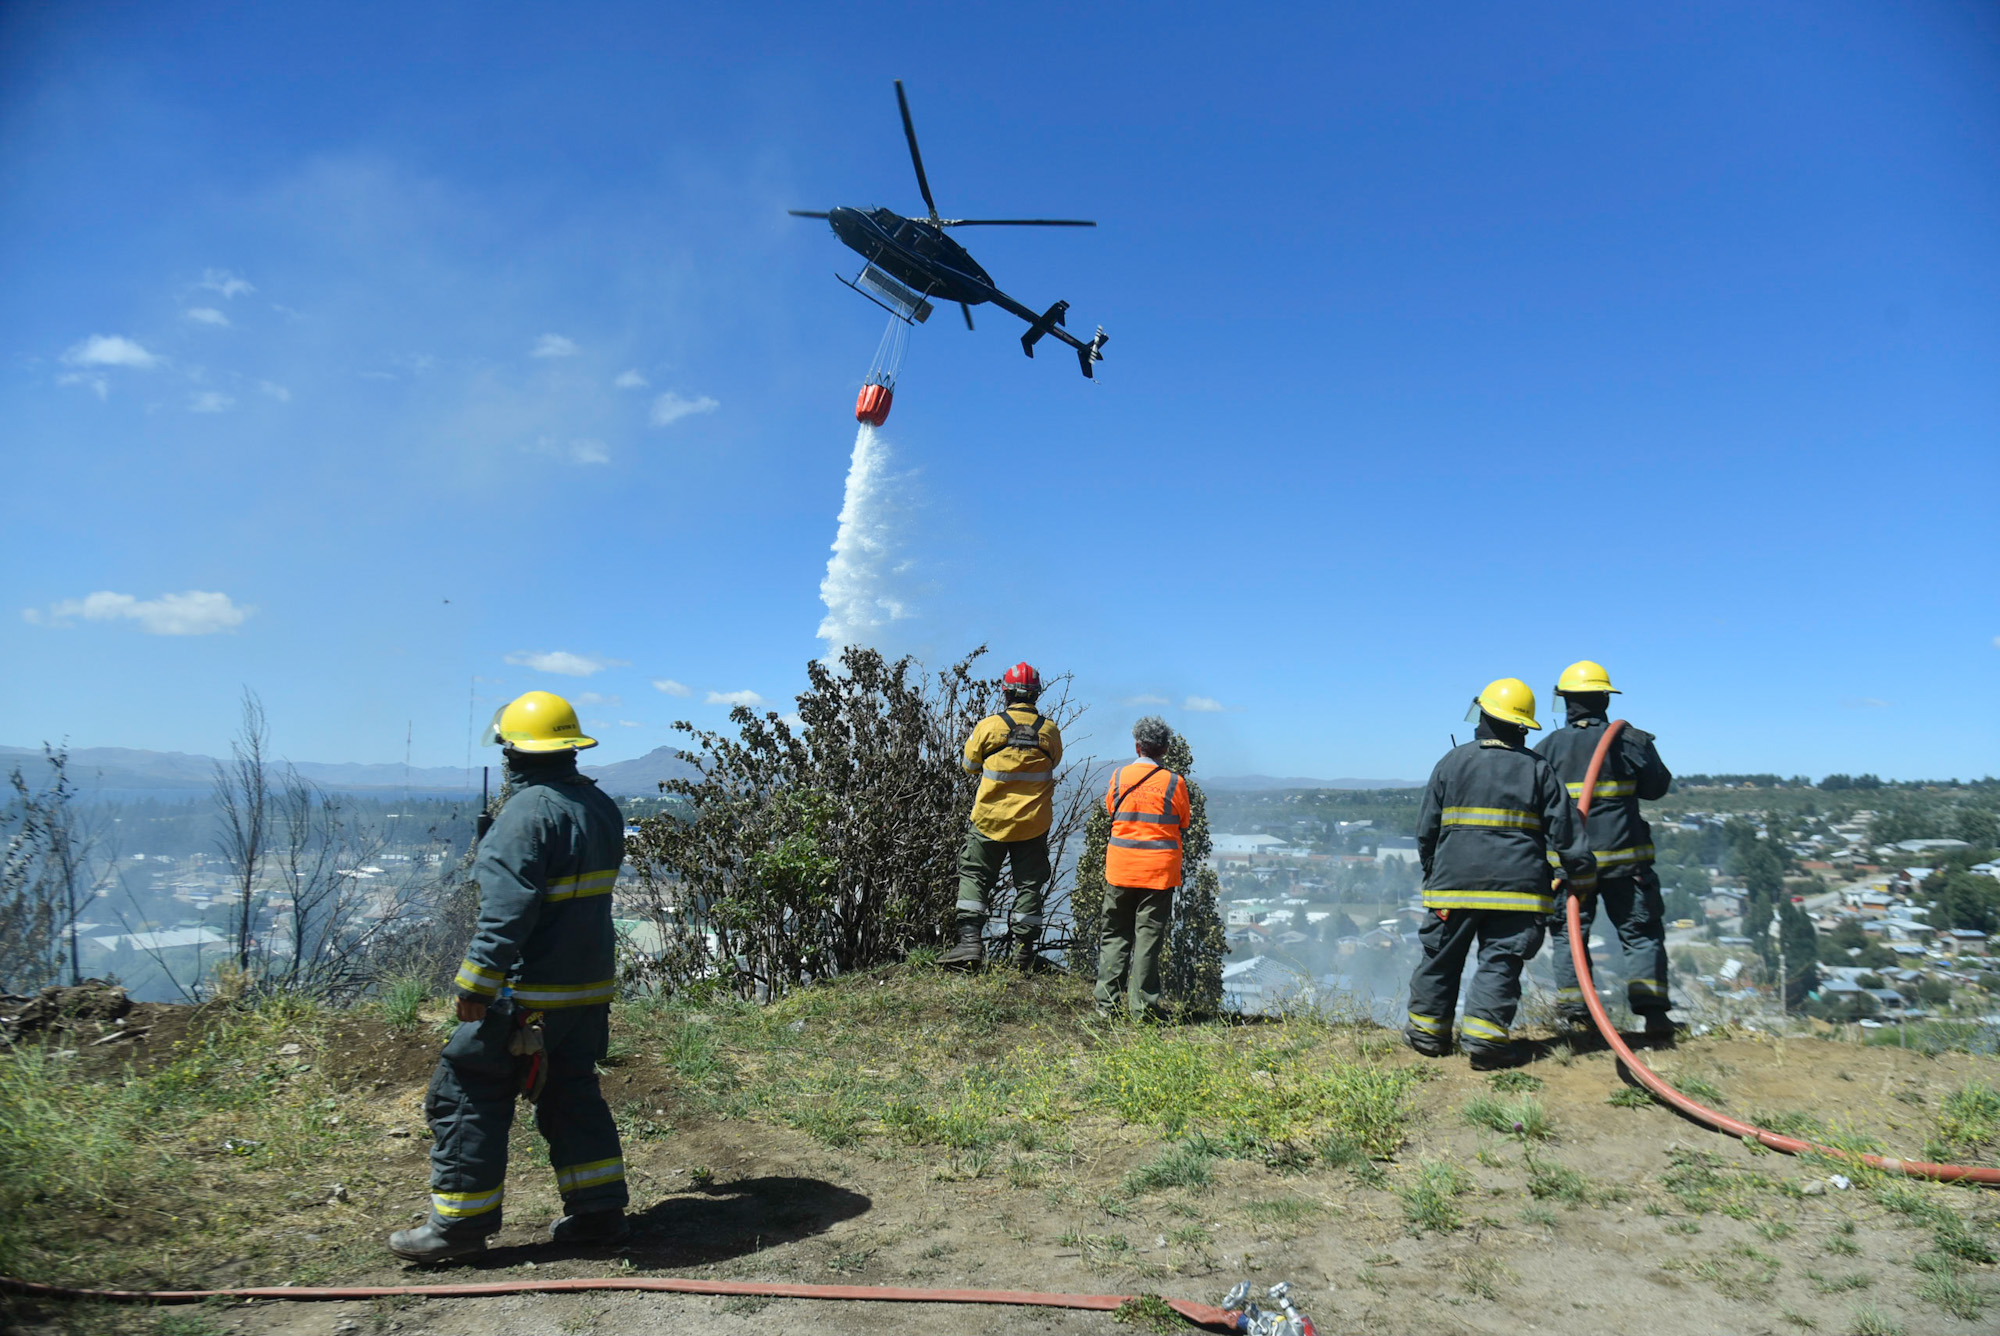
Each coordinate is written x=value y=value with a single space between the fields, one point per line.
x=1128 y=953
x=979 y=865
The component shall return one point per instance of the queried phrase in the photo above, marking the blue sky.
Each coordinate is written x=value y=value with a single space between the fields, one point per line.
x=1447 y=342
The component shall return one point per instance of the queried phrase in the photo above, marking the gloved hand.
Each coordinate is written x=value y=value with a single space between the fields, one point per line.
x=1564 y=894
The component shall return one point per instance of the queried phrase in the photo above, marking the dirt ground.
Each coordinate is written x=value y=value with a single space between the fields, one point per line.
x=743 y=1199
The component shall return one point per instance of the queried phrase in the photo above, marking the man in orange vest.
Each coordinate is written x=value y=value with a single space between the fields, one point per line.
x=1149 y=811
x=1015 y=754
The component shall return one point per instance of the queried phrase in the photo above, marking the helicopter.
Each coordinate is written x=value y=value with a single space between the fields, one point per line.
x=911 y=260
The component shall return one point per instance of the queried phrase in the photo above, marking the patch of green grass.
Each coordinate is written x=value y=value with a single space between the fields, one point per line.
x=1945 y=1286
x=1483 y=1276
x=1522 y=1116
x=1550 y=1181
x=1967 y=1125
x=1688 y=1227
x=1702 y=1182
x=1794 y=1318
x=1538 y=1215
x=1926 y=1206
x=1630 y=1097
x=183 y=1324
x=1100 y=1252
x=1740 y=1272
x=402 y=1001
x=1514 y=1081
x=1868 y=1320
x=1853 y=1280
x=83 y=1149
x=1148 y=1312
x=1695 y=1087
x=1286 y=1213
x=1790 y=1123
x=1181 y=1166
x=1775 y=1231
x=1429 y=1201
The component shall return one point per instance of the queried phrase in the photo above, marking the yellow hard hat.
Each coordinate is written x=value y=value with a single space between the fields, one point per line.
x=538 y=721
x=1509 y=700
x=1583 y=677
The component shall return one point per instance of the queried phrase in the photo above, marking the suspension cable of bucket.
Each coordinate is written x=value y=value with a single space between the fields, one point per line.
x=878 y=390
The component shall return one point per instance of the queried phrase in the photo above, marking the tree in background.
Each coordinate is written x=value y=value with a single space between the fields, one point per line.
x=828 y=846
x=1191 y=969
x=1799 y=942
x=38 y=880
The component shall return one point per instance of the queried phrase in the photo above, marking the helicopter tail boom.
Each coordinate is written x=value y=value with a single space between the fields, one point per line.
x=1050 y=322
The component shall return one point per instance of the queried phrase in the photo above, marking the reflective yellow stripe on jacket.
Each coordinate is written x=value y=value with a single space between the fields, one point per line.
x=1525 y=902
x=478 y=980
x=596 y=1173
x=1492 y=818
x=551 y=995
x=1606 y=788
x=1608 y=859
x=581 y=885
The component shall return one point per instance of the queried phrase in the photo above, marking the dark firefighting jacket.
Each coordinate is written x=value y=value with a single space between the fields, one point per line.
x=1617 y=833
x=1495 y=826
x=545 y=873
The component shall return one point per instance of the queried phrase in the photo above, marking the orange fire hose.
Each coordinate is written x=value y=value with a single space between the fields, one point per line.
x=1579 y=954
x=1201 y=1314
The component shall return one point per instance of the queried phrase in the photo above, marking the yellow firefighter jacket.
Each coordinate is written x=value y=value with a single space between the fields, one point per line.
x=1015 y=754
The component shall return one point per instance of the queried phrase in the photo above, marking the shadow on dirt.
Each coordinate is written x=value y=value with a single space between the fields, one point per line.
x=714 y=1224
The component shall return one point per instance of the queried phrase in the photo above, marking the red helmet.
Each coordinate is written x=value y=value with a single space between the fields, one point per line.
x=1022 y=677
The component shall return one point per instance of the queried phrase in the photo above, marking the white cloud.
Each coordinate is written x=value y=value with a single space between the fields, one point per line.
x=224 y=282
x=670 y=408
x=794 y=720
x=631 y=380
x=1203 y=705
x=563 y=662
x=194 y=613
x=275 y=390
x=1996 y=642
x=629 y=723
x=207 y=315
x=110 y=350
x=210 y=401
x=579 y=451
x=1145 y=699
x=671 y=687
x=554 y=345
x=735 y=698
x=99 y=385
x=595 y=698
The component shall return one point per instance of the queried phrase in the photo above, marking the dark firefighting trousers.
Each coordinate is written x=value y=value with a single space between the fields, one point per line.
x=1505 y=940
x=1638 y=916
x=470 y=1107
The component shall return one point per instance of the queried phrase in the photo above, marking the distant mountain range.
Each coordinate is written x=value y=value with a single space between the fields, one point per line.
x=129 y=770
x=1249 y=783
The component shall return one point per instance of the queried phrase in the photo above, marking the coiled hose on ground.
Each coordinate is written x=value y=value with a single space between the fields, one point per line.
x=1579 y=953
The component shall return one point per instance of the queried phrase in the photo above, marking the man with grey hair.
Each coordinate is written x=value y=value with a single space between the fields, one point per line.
x=1149 y=811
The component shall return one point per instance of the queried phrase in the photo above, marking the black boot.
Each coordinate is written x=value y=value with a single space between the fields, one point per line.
x=970 y=953
x=1026 y=953
x=428 y=1244
x=1430 y=1045
x=593 y=1228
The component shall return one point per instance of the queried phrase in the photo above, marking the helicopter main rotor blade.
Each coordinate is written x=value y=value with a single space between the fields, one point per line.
x=1014 y=222
x=968 y=314
x=806 y=213
x=916 y=158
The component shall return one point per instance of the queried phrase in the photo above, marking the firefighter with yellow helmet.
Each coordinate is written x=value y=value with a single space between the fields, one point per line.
x=534 y=999
x=1495 y=820
x=1627 y=885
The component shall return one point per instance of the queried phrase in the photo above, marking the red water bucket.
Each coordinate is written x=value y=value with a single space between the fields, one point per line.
x=872 y=407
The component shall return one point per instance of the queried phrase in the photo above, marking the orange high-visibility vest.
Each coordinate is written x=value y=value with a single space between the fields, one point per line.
x=1149 y=814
